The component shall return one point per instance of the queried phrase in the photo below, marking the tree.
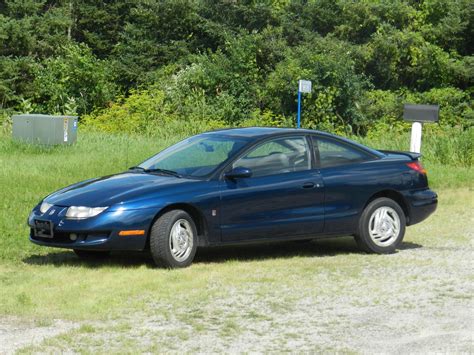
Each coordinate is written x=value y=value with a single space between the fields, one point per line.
x=75 y=77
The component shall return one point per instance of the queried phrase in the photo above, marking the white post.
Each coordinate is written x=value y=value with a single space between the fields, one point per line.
x=415 y=142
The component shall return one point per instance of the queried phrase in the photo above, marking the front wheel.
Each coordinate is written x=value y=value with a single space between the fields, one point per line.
x=381 y=226
x=173 y=239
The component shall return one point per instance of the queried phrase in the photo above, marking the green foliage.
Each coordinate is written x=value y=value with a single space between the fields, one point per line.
x=384 y=109
x=73 y=81
x=99 y=24
x=449 y=24
x=233 y=61
x=266 y=118
x=147 y=112
x=155 y=33
x=223 y=85
x=16 y=75
x=136 y=113
x=32 y=28
x=404 y=58
x=450 y=146
x=5 y=123
x=337 y=86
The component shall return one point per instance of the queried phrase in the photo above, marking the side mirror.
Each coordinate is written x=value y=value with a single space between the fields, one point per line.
x=238 y=173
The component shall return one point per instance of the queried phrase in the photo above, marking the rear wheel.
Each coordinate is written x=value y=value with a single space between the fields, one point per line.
x=381 y=226
x=173 y=239
x=92 y=254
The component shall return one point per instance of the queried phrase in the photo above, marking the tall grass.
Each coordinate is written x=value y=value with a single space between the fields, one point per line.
x=450 y=146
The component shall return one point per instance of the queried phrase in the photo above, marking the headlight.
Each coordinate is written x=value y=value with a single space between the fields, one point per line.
x=80 y=212
x=45 y=207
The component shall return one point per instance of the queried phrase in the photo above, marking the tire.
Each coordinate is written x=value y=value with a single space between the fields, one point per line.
x=173 y=240
x=381 y=227
x=92 y=254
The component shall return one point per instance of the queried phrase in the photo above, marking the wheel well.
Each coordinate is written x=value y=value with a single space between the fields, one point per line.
x=393 y=195
x=195 y=214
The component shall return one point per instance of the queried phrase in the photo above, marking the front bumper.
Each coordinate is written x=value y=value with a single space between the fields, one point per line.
x=421 y=204
x=96 y=233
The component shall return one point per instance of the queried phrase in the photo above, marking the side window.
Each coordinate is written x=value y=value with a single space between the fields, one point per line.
x=332 y=153
x=277 y=156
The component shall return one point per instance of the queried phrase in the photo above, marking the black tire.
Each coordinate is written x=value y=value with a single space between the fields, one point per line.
x=371 y=244
x=161 y=240
x=92 y=254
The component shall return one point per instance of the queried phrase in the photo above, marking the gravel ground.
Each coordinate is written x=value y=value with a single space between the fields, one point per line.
x=424 y=309
x=16 y=333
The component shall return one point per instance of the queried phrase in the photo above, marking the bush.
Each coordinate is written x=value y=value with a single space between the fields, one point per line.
x=337 y=87
x=73 y=83
x=222 y=85
x=5 y=122
x=147 y=112
x=384 y=109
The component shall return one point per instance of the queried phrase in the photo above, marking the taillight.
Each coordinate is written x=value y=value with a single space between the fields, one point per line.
x=416 y=165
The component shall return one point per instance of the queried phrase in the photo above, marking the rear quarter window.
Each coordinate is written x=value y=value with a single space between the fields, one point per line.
x=330 y=153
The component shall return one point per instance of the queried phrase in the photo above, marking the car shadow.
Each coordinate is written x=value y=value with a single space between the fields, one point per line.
x=69 y=258
x=409 y=245
x=316 y=248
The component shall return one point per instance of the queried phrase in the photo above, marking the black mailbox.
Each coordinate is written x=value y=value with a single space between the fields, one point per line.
x=421 y=113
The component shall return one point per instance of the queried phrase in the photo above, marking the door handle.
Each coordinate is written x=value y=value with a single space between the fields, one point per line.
x=308 y=185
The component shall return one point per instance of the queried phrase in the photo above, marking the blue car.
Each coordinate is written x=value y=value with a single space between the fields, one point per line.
x=240 y=186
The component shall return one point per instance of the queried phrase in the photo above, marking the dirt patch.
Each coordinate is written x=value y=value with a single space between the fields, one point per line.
x=16 y=333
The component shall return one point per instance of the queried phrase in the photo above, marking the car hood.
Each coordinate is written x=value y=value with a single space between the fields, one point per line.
x=113 y=189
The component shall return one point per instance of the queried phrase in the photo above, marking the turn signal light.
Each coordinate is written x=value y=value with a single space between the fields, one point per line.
x=131 y=232
x=416 y=165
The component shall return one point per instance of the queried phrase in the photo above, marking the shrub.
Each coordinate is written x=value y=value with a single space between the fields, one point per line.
x=384 y=109
x=337 y=86
x=76 y=79
x=148 y=112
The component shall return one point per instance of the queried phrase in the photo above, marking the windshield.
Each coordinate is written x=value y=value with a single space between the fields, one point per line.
x=197 y=156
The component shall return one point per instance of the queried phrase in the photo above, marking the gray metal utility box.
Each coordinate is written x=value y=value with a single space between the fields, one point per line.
x=45 y=129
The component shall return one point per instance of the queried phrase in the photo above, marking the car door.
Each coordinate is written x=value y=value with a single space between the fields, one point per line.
x=283 y=197
x=348 y=180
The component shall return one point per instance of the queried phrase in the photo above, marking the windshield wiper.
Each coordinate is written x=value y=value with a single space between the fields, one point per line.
x=156 y=170
x=163 y=171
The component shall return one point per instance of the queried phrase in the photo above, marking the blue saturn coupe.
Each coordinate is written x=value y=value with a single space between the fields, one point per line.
x=240 y=186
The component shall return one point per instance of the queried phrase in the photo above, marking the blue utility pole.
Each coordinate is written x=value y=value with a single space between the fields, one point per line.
x=304 y=86
x=298 y=124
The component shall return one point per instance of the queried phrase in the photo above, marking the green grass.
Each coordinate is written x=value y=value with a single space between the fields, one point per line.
x=449 y=146
x=44 y=284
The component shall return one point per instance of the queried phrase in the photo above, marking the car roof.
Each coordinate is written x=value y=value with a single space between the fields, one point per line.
x=253 y=132
x=256 y=133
